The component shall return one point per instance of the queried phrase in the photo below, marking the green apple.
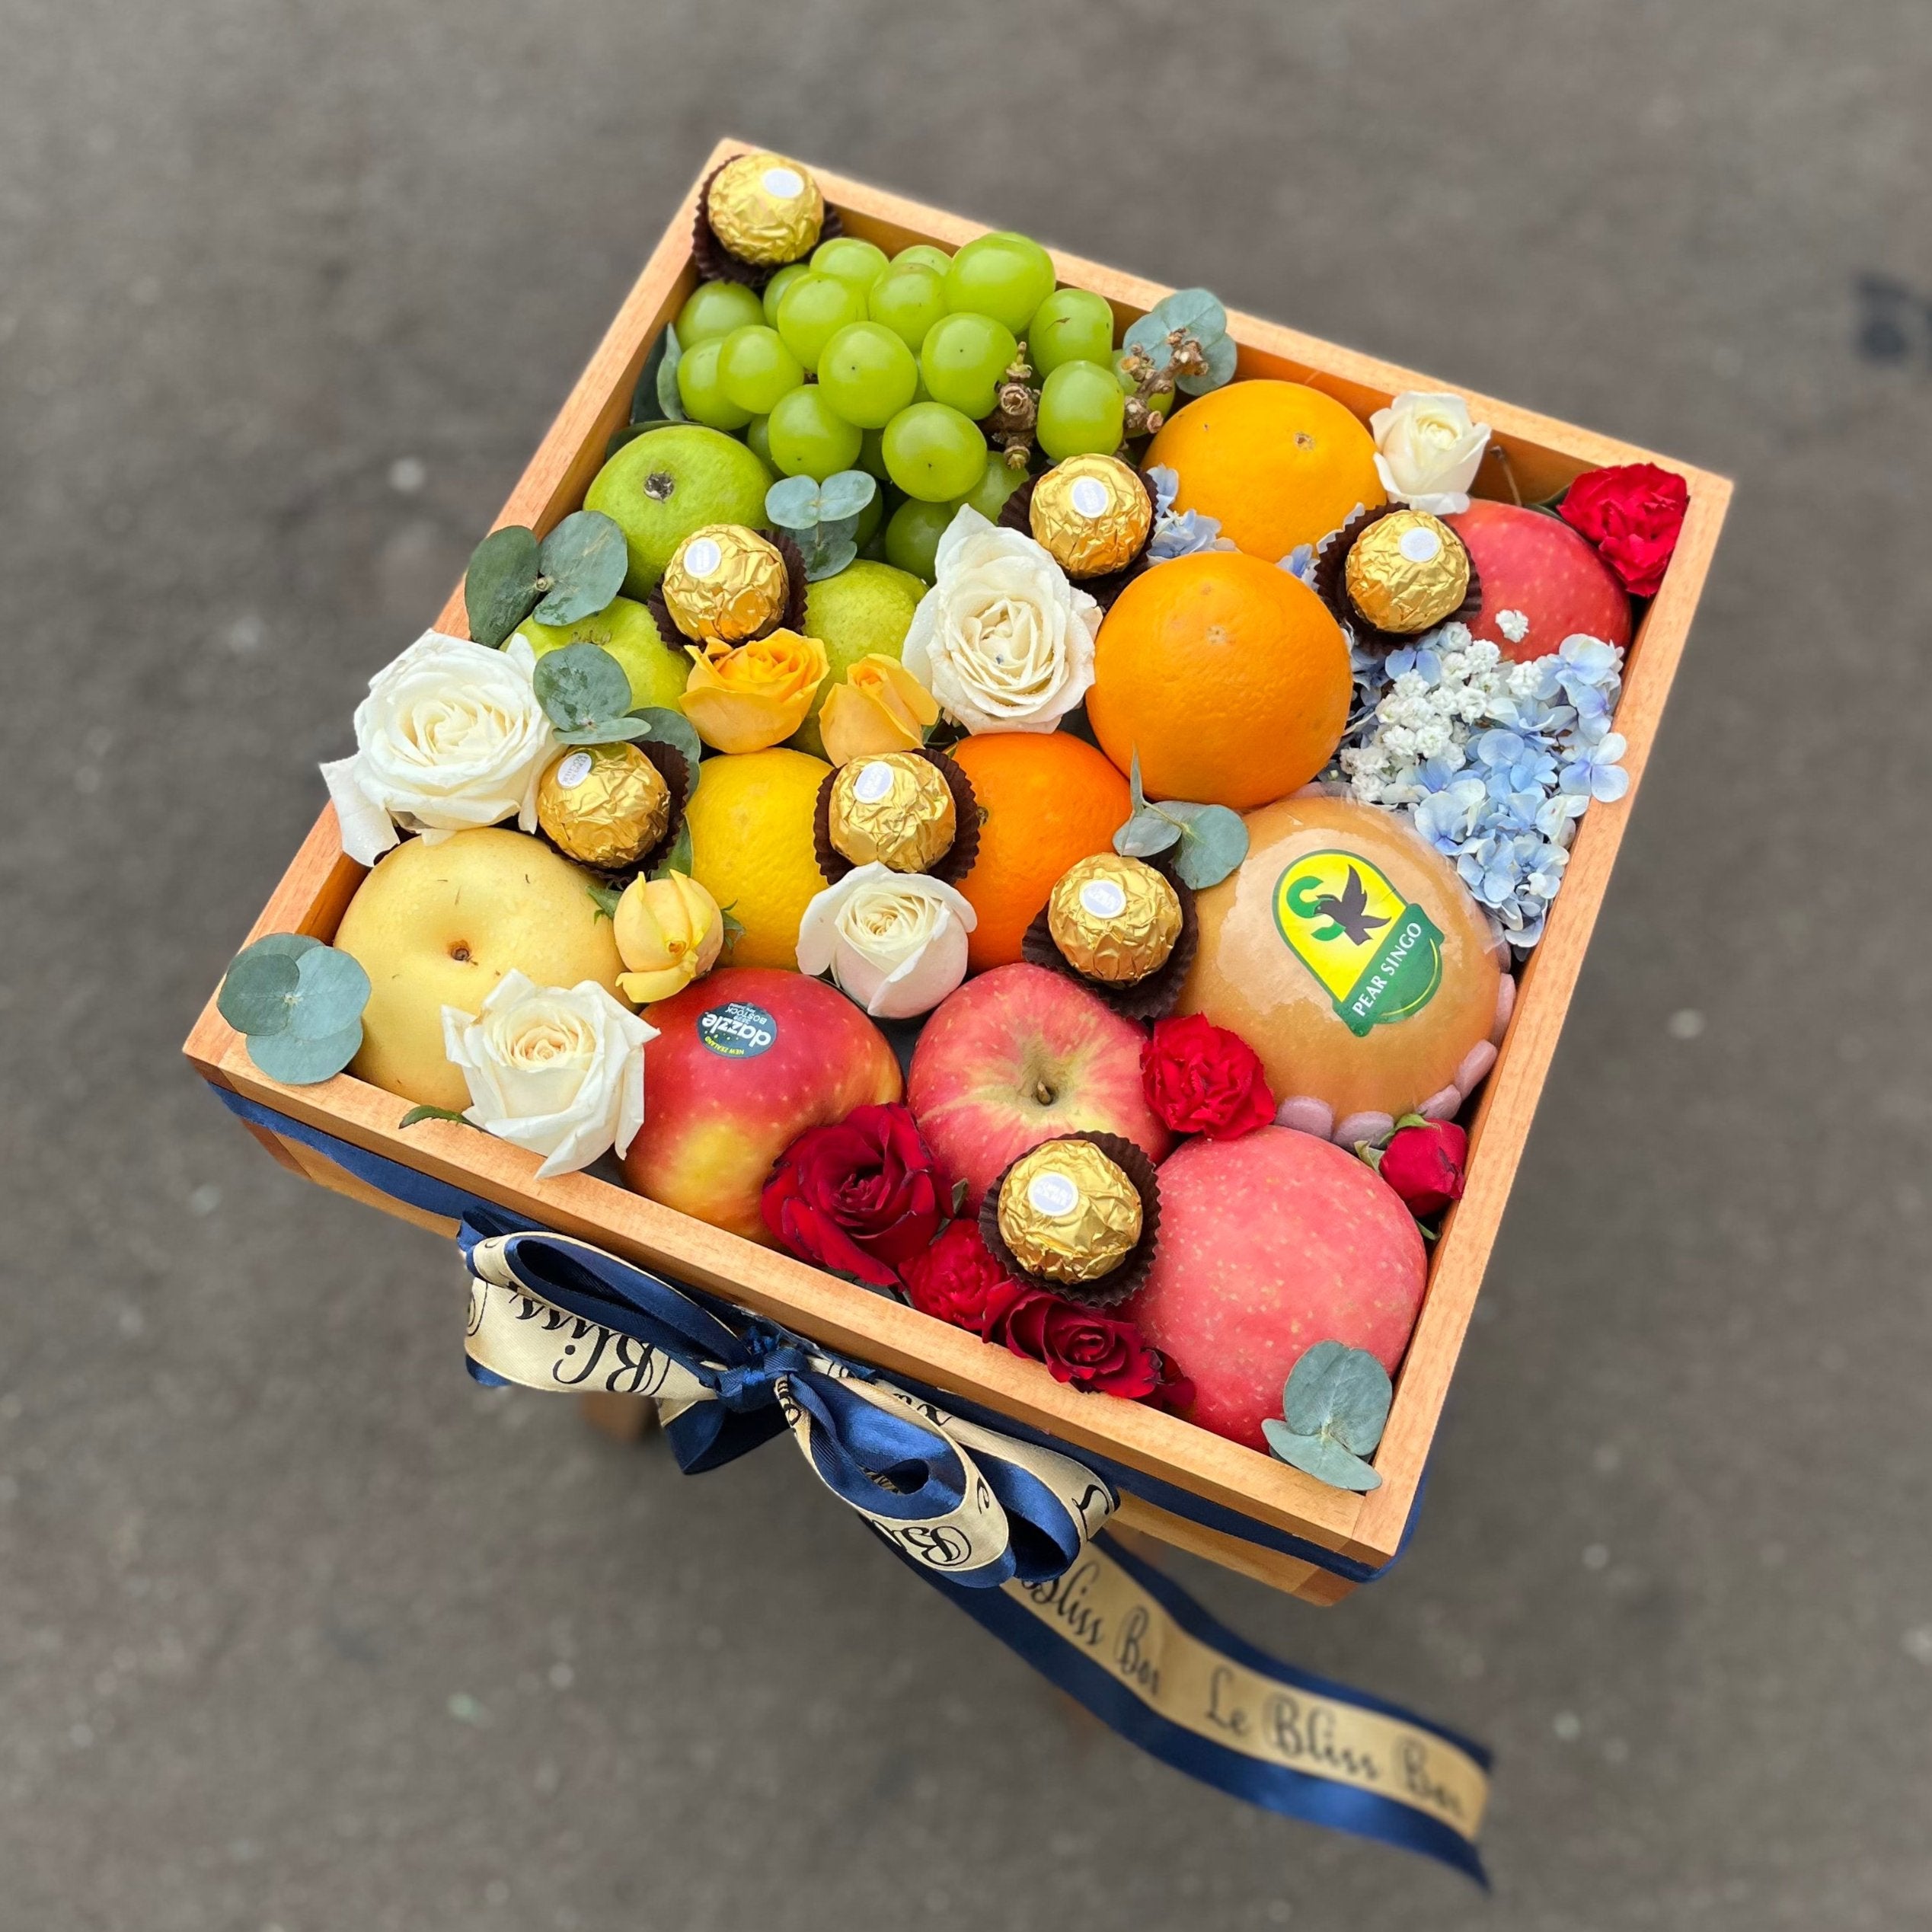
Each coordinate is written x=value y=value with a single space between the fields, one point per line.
x=664 y=484
x=657 y=669
x=437 y=925
x=867 y=608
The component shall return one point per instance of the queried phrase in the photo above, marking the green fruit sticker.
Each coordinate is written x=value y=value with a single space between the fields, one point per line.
x=740 y=1031
x=1378 y=956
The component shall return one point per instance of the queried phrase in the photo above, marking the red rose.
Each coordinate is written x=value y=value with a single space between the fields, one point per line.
x=958 y=1280
x=1632 y=513
x=1081 y=1346
x=861 y=1198
x=1199 y=1079
x=1424 y=1164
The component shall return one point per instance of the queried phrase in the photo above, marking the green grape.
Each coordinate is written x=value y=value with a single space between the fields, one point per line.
x=813 y=310
x=912 y=536
x=1070 y=326
x=963 y=359
x=868 y=374
x=909 y=301
x=715 y=308
x=989 y=494
x=1081 y=410
x=808 y=437
x=923 y=254
x=933 y=453
x=702 y=394
x=758 y=438
x=846 y=258
x=756 y=368
x=775 y=289
x=871 y=452
x=1004 y=276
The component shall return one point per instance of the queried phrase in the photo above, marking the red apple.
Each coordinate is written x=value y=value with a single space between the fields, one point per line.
x=745 y=1061
x=1537 y=564
x=1268 y=1244
x=1017 y=1056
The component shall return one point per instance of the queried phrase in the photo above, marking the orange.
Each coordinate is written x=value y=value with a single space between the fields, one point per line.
x=1278 y=464
x=1045 y=800
x=1227 y=674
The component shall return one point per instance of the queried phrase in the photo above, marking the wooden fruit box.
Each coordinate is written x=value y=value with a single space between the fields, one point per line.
x=1543 y=456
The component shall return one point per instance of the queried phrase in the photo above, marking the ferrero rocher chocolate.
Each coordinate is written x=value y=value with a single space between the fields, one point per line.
x=1114 y=919
x=1091 y=515
x=1068 y=1212
x=895 y=810
x=765 y=208
x=1408 y=572
x=604 y=805
x=724 y=584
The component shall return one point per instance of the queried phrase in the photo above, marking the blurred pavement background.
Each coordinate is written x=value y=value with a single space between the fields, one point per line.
x=299 y=1630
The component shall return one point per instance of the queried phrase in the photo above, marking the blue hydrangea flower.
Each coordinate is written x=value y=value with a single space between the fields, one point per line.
x=1595 y=772
x=1179 y=533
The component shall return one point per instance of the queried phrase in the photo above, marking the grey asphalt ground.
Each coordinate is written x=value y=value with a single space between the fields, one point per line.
x=300 y=1630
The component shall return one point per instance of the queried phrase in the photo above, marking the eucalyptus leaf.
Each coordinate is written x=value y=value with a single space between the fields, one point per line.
x=644 y=403
x=1222 y=356
x=580 y=685
x=605 y=731
x=792 y=504
x=426 y=1112
x=291 y=945
x=668 y=400
x=679 y=858
x=585 y=558
x=1213 y=842
x=845 y=494
x=501 y=587
x=673 y=728
x=1195 y=310
x=1144 y=834
x=1320 y=1456
x=297 y=1062
x=1134 y=781
x=605 y=898
x=827 y=556
x=258 y=992
x=1339 y=1391
x=333 y=991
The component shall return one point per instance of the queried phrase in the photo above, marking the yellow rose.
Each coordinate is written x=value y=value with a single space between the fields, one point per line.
x=881 y=707
x=743 y=698
x=669 y=931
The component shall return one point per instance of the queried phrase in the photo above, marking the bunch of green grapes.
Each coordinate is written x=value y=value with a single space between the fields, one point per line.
x=854 y=360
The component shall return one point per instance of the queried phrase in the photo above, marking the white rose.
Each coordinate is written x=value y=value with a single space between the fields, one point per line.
x=1428 y=450
x=451 y=736
x=1002 y=640
x=896 y=941
x=556 y=1073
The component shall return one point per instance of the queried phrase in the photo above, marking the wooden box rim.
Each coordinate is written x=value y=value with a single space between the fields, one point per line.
x=1544 y=455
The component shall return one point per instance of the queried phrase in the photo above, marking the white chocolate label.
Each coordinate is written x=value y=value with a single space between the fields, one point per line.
x=1420 y=546
x=783 y=183
x=1088 y=495
x=702 y=556
x=1104 y=898
x=1053 y=1195
x=573 y=770
x=873 y=783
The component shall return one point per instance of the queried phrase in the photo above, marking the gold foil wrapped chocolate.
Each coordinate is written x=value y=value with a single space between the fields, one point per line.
x=1068 y=1212
x=1408 y=572
x=895 y=810
x=604 y=805
x=725 y=583
x=1091 y=515
x=1114 y=919
x=764 y=208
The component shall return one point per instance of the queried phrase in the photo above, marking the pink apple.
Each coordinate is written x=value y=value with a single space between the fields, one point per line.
x=1268 y=1244
x=1537 y=565
x=745 y=1061
x=1015 y=1057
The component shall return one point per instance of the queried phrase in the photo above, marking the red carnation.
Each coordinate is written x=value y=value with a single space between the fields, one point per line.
x=958 y=1280
x=1081 y=1346
x=861 y=1198
x=1199 y=1079
x=1632 y=513
x=1424 y=1164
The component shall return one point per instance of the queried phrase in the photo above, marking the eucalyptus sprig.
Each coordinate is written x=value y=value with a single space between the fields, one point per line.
x=572 y=574
x=823 y=518
x=586 y=694
x=1334 y=1407
x=1181 y=342
x=1212 y=840
x=299 y=1004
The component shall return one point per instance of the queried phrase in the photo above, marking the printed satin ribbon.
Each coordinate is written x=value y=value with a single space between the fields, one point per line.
x=1011 y=1531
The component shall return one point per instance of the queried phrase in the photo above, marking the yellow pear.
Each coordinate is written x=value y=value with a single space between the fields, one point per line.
x=439 y=925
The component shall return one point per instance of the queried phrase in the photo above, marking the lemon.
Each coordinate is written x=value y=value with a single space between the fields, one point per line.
x=866 y=608
x=751 y=847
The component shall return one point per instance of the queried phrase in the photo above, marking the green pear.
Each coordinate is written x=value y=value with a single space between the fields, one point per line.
x=666 y=483
x=437 y=925
x=657 y=670
x=867 y=608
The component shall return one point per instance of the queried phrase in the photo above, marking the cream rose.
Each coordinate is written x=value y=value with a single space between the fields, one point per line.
x=896 y=941
x=1002 y=640
x=556 y=1072
x=450 y=736
x=1428 y=450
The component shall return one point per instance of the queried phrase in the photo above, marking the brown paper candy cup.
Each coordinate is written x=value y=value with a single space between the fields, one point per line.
x=716 y=263
x=678 y=780
x=1331 y=586
x=792 y=618
x=1115 y=1286
x=958 y=856
x=1152 y=998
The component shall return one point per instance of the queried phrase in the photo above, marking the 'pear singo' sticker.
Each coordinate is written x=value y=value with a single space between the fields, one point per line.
x=1378 y=956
